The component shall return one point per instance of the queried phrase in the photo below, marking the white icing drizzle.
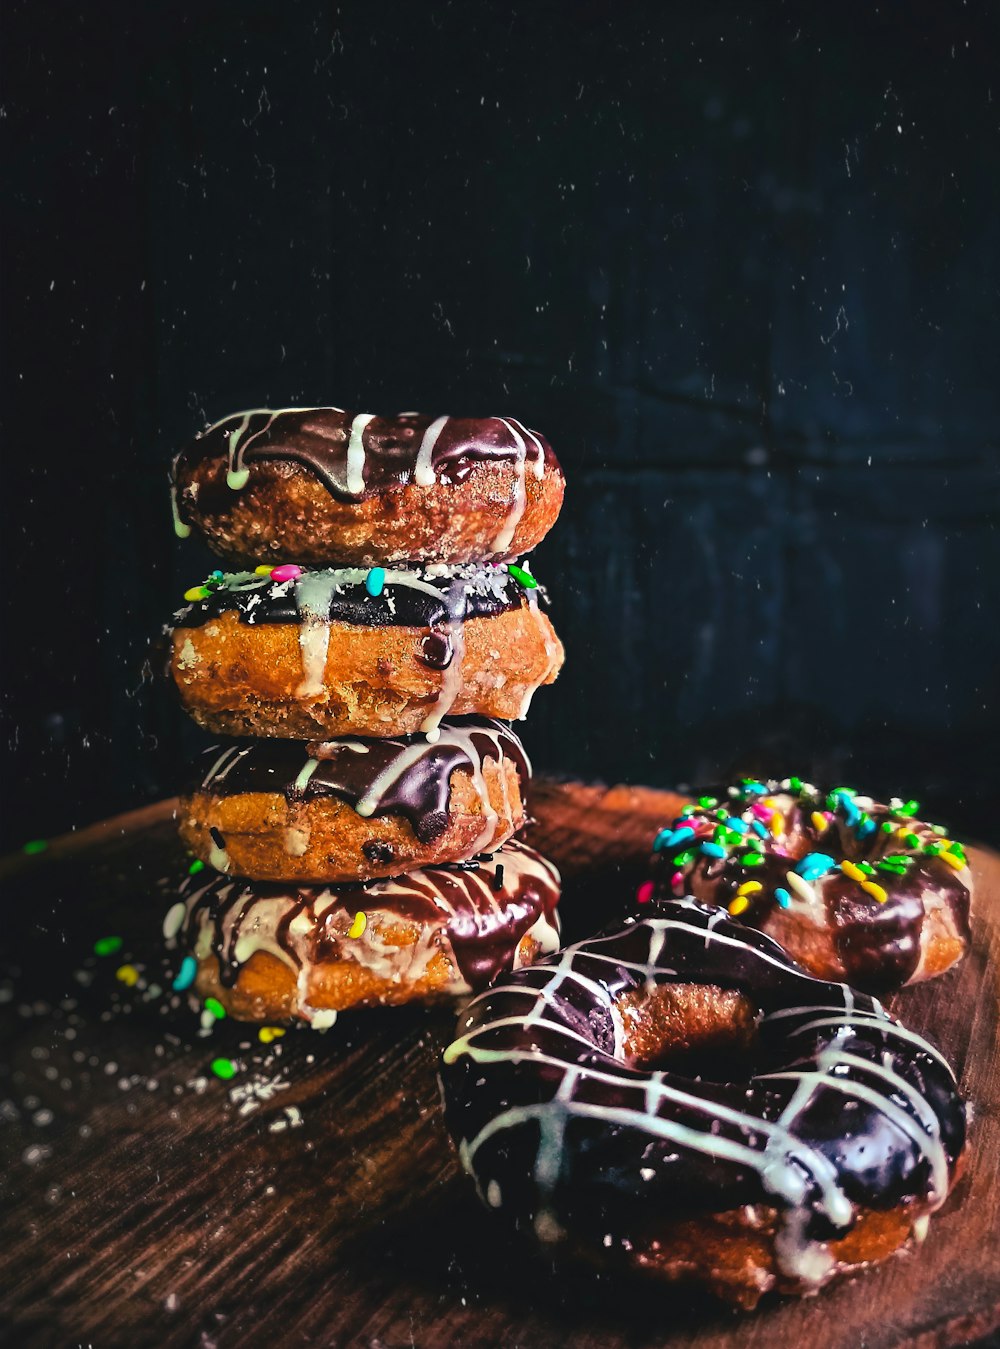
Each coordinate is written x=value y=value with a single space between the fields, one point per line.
x=451 y=675
x=505 y=537
x=237 y=475
x=181 y=529
x=355 y=483
x=785 y=1163
x=423 y=469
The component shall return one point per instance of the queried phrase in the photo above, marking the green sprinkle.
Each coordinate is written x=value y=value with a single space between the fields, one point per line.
x=224 y=1068
x=866 y=867
x=912 y=840
x=887 y=828
x=107 y=946
x=957 y=849
x=894 y=867
x=707 y=802
x=524 y=577
x=909 y=808
x=214 y=1006
x=902 y=858
x=732 y=837
x=722 y=814
x=794 y=784
x=196 y=866
x=35 y=846
x=752 y=859
x=932 y=848
x=682 y=858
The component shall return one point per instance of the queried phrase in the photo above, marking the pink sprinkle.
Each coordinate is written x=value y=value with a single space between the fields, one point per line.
x=761 y=812
x=644 y=893
x=677 y=880
x=289 y=572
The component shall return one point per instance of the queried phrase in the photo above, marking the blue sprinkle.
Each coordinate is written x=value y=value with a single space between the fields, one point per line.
x=760 y=828
x=757 y=788
x=672 y=838
x=375 y=581
x=734 y=822
x=815 y=864
x=185 y=975
x=783 y=897
x=713 y=850
x=866 y=827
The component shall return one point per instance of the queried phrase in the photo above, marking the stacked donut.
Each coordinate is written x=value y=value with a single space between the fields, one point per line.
x=375 y=627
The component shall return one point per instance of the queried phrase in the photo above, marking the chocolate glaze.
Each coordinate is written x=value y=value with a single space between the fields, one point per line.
x=841 y=1106
x=879 y=944
x=459 y=906
x=480 y=592
x=404 y=774
x=356 y=455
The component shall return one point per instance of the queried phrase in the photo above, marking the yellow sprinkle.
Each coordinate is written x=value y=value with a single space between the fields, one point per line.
x=749 y=888
x=952 y=860
x=818 y=821
x=777 y=824
x=264 y=571
x=876 y=891
x=739 y=905
x=855 y=873
x=195 y=593
x=268 y=1033
x=128 y=974
x=902 y=833
x=359 y=925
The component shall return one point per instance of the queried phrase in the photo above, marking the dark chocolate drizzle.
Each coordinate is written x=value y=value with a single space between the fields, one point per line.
x=841 y=1106
x=460 y=906
x=415 y=775
x=481 y=593
x=387 y=449
x=879 y=944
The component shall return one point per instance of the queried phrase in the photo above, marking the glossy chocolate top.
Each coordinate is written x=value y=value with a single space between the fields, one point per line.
x=840 y=1107
x=477 y=912
x=420 y=597
x=870 y=872
x=404 y=774
x=357 y=454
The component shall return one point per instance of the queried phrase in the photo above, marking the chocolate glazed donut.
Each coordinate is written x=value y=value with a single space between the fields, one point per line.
x=839 y=1136
x=356 y=809
x=325 y=486
x=851 y=888
x=270 y=951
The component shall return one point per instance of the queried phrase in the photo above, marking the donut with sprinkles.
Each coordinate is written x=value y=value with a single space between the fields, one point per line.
x=853 y=889
x=678 y=1096
x=335 y=488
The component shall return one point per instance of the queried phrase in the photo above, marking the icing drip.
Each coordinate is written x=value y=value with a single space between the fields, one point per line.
x=451 y=674
x=314 y=594
x=519 y=501
x=423 y=468
x=550 y=1116
x=377 y=776
x=460 y=912
x=355 y=482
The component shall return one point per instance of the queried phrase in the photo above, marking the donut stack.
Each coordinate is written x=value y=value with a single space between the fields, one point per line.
x=380 y=624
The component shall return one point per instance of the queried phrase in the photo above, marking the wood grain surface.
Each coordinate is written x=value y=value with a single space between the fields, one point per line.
x=315 y=1197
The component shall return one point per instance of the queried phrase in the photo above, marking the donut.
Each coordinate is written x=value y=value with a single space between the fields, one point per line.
x=351 y=809
x=281 y=952
x=335 y=488
x=852 y=889
x=678 y=1097
x=317 y=654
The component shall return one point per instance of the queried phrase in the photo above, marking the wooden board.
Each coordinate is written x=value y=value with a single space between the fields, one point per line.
x=315 y=1198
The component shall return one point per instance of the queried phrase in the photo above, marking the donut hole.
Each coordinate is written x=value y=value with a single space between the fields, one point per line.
x=696 y=1030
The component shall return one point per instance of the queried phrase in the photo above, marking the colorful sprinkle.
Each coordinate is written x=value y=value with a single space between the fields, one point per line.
x=887 y=827
x=264 y=570
x=107 y=946
x=214 y=1006
x=708 y=802
x=185 y=975
x=711 y=850
x=801 y=887
x=197 y=593
x=670 y=838
x=375 y=582
x=777 y=824
x=677 y=880
x=740 y=826
x=224 y=1068
x=290 y=571
x=815 y=864
x=759 y=829
x=749 y=888
x=127 y=974
x=196 y=866
x=912 y=840
x=866 y=827
x=523 y=577
x=818 y=821
x=849 y=869
x=753 y=859
x=34 y=847
x=361 y=922
x=908 y=809
x=739 y=905
x=783 y=897
x=956 y=862
x=794 y=784
x=876 y=891
x=268 y=1033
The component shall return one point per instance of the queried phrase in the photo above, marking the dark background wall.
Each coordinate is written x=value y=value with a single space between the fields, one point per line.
x=739 y=261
